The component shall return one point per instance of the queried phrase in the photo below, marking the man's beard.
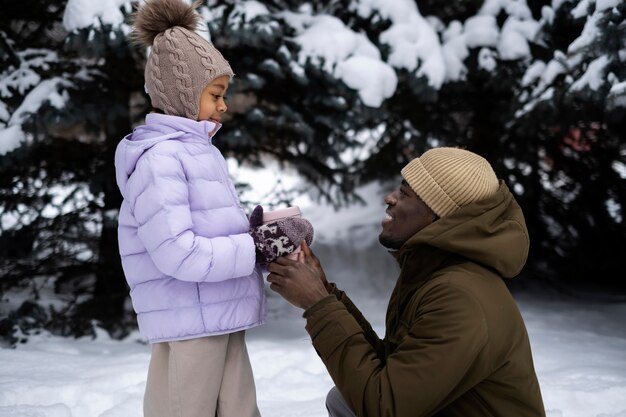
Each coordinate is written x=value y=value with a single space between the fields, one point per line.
x=389 y=243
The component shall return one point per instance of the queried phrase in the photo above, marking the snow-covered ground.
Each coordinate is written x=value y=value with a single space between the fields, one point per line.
x=579 y=350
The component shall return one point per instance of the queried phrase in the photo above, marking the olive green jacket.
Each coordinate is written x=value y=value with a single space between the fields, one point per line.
x=455 y=343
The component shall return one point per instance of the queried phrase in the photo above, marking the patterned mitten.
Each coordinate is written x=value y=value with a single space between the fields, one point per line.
x=280 y=238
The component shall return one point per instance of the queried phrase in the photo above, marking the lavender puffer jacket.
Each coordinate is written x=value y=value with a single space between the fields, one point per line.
x=186 y=253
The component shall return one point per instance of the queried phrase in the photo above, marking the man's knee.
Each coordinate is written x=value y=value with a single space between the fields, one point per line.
x=336 y=405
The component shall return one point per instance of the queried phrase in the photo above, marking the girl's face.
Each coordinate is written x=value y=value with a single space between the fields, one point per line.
x=212 y=100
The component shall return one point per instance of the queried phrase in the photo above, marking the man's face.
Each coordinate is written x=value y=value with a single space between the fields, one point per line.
x=407 y=214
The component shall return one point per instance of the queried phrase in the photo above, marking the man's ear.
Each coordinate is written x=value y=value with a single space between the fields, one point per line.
x=433 y=215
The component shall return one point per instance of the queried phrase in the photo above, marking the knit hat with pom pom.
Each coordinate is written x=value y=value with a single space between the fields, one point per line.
x=181 y=63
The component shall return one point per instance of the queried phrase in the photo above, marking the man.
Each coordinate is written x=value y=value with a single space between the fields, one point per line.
x=455 y=343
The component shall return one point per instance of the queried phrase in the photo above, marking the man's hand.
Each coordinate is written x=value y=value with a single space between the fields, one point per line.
x=302 y=282
x=311 y=260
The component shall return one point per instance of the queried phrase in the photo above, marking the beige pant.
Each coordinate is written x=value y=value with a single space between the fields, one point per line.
x=205 y=377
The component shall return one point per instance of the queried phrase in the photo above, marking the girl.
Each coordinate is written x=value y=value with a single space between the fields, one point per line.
x=189 y=254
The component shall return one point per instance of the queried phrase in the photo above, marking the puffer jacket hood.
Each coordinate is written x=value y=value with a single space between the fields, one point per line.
x=491 y=232
x=158 y=128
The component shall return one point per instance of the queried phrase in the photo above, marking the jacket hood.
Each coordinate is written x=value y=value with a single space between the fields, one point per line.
x=491 y=232
x=158 y=128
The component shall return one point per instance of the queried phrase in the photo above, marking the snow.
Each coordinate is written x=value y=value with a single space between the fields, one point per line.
x=515 y=8
x=579 y=351
x=617 y=95
x=481 y=30
x=514 y=38
x=614 y=209
x=272 y=180
x=620 y=168
x=250 y=10
x=587 y=36
x=533 y=73
x=366 y=143
x=415 y=42
x=10 y=138
x=325 y=30
x=554 y=68
x=581 y=9
x=4 y=112
x=245 y=12
x=352 y=57
x=594 y=77
x=547 y=15
x=542 y=75
x=80 y=14
x=20 y=80
x=412 y=40
x=602 y=5
x=46 y=91
x=454 y=51
x=374 y=80
x=356 y=226
x=397 y=11
x=555 y=4
x=512 y=45
x=486 y=59
x=65 y=199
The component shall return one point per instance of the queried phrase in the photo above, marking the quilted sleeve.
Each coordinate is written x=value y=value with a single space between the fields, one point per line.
x=158 y=196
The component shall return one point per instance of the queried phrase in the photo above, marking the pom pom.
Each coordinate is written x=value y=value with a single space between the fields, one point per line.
x=156 y=16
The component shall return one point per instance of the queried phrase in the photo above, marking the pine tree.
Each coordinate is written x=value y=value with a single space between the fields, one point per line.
x=571 y=113
x=67 y=96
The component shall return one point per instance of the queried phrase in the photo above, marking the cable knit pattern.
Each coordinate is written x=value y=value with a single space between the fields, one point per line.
x=180 y=69
x=156 y=78
x=206 y=59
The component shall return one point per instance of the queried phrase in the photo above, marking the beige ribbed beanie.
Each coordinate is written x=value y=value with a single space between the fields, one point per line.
x=447 y=179
x=181 y=63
